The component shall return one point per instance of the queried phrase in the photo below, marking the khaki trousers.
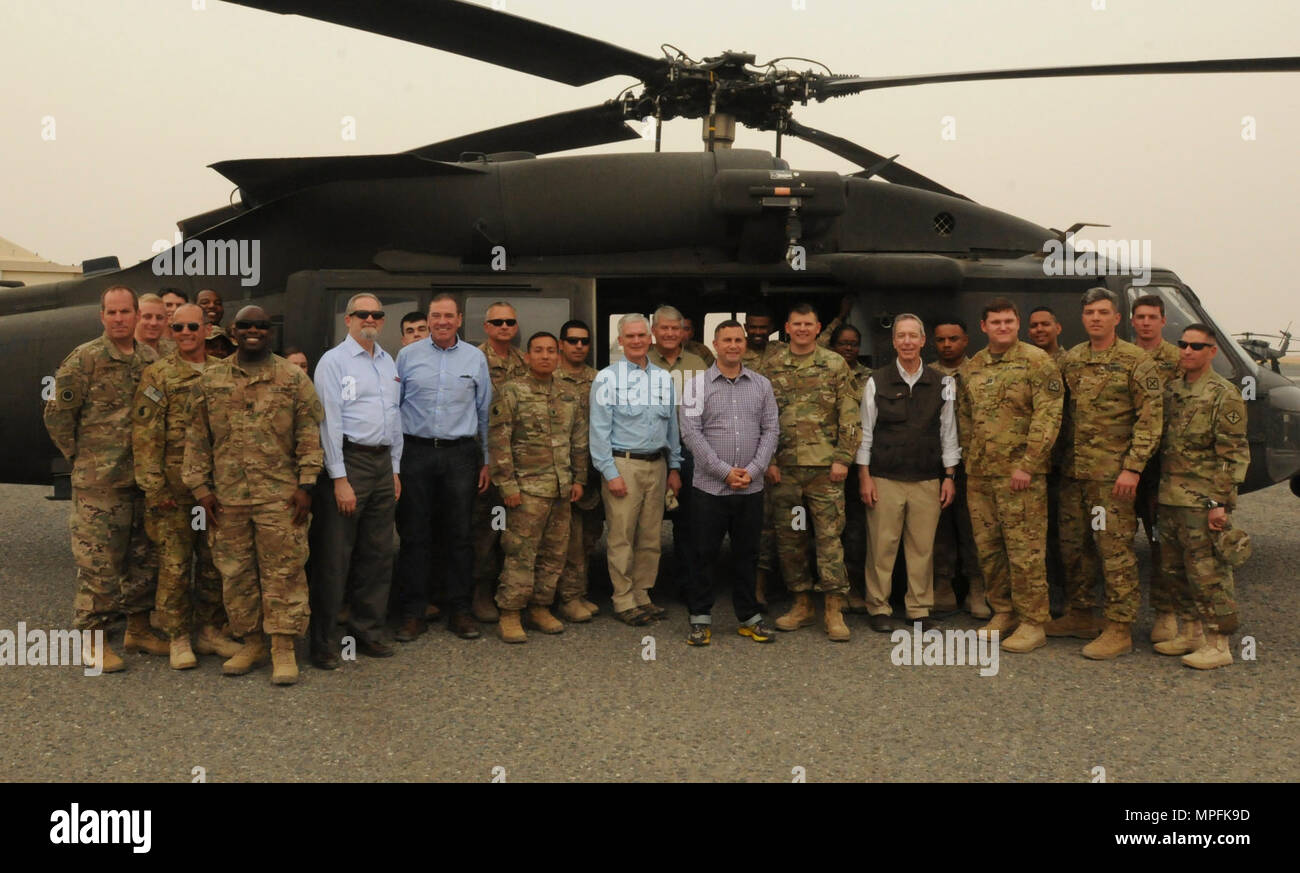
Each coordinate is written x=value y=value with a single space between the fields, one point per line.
x=908 y=511
x=635 y=530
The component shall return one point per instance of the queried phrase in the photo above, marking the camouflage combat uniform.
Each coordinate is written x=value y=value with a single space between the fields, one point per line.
x=537 y=440
x=89 y=420
x=767 y=560
x=218 y=344
x=160 y=422
x=1008 y=416
x=1113 y=424
x=586 y=518
x=255 y=438
x=700 y=349
x=1204 y=456
x=487 y=557
x=1165 y=356
x=820 y=425
x=954 y=541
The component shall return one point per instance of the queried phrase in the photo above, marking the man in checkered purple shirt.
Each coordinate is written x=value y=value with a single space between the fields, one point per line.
x=729 y=422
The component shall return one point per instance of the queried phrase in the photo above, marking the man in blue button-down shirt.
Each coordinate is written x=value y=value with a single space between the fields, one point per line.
x=355 y=502
x=446 y=396
x=633 y=430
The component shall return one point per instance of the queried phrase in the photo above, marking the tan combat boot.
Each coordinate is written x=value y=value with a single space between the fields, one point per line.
x=1215 y=653
x=976 y=604
x=573 y=610
x=945 y=599
x=102 y=657
x=760 y=588
x=800 y=615
x=1002 y=622
x=540 y=617
x=509 y=628
x=1028 y=636
x=836 y=629
x=213 y=641
x=284 y=664
x=857 y=603
x=481 y=606
x=1190 y=638
x=253 y=652
x=1078 y=623
x=139 y=638
x=181 y=655
x=1115 y=640
x=589 y=606
x=1165 y=627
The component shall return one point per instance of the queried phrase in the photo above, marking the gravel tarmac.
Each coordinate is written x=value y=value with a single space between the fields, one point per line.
x=589 y=705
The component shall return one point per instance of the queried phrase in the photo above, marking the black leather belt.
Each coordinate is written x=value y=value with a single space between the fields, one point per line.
x=362 y=447
x=640 y=456
x=435 y=442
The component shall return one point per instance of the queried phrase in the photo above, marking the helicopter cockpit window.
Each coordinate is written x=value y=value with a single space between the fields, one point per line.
x=395 y=306
x=1179 y=313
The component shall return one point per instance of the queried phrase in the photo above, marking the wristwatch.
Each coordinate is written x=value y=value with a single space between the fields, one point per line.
x=1212 y=504
x=310 y=488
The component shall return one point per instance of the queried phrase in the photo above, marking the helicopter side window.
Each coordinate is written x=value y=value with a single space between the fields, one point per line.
x=1179 y=313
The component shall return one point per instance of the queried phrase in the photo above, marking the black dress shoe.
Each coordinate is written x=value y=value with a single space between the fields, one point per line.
x=375 y=649
x=462 y=624
x=325 y=660
x=881 y=624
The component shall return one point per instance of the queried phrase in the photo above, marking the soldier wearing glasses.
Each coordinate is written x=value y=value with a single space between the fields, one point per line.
x=575 y=376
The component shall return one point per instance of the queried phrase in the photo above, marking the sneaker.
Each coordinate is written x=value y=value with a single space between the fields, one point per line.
x=700 y=635
x=758 y=632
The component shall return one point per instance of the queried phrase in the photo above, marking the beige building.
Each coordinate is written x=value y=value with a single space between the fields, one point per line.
x=19 y=265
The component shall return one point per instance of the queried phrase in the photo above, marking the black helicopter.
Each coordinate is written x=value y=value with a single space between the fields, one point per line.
x=714 y=232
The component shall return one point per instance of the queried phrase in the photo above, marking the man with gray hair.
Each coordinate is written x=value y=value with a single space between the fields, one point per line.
x=909 y=441
x=633 y=430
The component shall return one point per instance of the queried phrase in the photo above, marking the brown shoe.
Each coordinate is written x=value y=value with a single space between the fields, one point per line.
x=462 y=625
x=482 y=606
x=589 y=606
x=214 y=641
x=101 y=657
x=509 y=628
x=431 y=612
x=1164 y=628
x=1078 y=623
x=1002 y=622
x=540 y=617
x=573 y=610
x=1190 y=638
x=140 y=638
x=1115 y=640
x=254 y=652
x=181 y=655
x=1028 y=636
x=857 y=604
x=410 y=630
x=833 y=618
x=881 y=624
x=284 y=661
x=636 y=617
x=800 y=615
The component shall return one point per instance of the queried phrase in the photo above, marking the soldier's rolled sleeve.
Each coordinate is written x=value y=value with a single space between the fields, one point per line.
x=579 y=457
x=1231 y=447
x=501 y=460
x=307 y=417
x=197 y=464
x=63 y=409
x=1045 y=421
x=849 y=437
x=1147 y=390
x=149 y=435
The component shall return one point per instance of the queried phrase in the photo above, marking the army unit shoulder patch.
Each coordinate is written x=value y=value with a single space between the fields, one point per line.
x=1153 y=383
x=1233 y=417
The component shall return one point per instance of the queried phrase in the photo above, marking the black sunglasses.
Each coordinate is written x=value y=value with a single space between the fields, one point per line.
x=253 y=325
x=1196 y=347
x=179 y=326
x=363 y=314
x=502 y=322
x=578 y=340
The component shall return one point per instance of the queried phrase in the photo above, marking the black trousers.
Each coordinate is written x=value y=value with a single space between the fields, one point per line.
x=352 y=556
x=437 y=507
x=739 y=516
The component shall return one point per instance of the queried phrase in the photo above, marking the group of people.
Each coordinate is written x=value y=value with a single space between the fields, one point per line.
x=199 y=459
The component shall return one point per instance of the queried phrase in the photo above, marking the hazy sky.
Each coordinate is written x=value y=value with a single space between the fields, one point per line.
x=144 y=94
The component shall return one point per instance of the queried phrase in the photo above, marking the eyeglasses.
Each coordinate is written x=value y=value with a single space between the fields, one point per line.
x=253 y=325
x=191 y=326
x=1196 y=347
x=502 y=322
x=363 y=314
x=578 y=340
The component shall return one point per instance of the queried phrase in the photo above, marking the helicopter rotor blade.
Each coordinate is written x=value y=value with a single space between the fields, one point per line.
x=478 y=32
x=887 y=168
x=575 y=129
x=839 y=86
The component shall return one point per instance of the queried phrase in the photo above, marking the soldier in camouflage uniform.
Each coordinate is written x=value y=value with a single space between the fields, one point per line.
x=1148 y=318
x=759 y=349
x=504 y=363
x=692 y=345
x=218 y=343
x=1112 y=428
x=1204 y=456
x=1045 y=332
x=89 y=419
x=1008 y=415
x=846 y=341
x=819 y=438
x=251 y=459
x=586 y=518
x=954 y=541
x=538 y=445
x=160 y=423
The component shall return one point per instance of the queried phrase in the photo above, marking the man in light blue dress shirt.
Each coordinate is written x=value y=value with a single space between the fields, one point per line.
x=634 y=440
x=446 y=397
x=355 y=502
